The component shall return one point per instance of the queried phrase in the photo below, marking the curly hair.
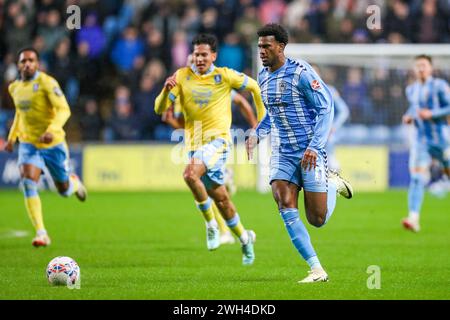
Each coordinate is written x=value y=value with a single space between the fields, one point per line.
x=276 y=30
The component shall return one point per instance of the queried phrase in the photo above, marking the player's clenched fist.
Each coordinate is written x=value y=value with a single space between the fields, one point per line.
x=170 y=83
x=46 y=138
x=9 y=146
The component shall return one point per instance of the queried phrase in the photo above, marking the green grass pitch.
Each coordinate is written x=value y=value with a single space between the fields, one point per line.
x=152 y=246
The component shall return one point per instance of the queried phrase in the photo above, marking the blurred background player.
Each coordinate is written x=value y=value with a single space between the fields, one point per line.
x=174 y=117
x=429 y=106
x=299 y=118
x=341 y=114
x=205 y=98
x=41 y=112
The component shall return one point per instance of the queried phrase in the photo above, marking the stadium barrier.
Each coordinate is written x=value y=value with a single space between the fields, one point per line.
x=160 y=168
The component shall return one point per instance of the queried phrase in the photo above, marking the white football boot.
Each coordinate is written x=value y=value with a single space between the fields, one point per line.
x=315 y=275
x=343 y=187
x=411 y=223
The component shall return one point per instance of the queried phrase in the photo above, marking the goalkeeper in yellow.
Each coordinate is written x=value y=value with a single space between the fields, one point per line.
x=41 y=112
x=204 y=91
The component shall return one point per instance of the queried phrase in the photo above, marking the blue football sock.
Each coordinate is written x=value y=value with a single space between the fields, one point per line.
x=331 y=200
x=416 y=191
x=298 y=234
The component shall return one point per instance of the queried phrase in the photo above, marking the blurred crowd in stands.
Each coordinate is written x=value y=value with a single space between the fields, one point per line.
x=112 y=68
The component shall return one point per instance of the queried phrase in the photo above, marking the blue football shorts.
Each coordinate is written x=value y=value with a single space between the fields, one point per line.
x=421 y=154
x=56 y=159
x=287 y=166
x=214 y=155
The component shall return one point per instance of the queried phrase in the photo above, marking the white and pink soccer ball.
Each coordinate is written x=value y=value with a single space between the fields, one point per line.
x=63 y=271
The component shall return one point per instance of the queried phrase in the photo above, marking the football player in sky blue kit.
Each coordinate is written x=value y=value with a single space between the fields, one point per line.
x=429 y=106
x=299 y=118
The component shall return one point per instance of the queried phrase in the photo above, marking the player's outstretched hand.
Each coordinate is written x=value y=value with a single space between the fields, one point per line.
x=250 y=145
x=170 y=83
x=46 y=138
x=9 y=146
x=309 y=160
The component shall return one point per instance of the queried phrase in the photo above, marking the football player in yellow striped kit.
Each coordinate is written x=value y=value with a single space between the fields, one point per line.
x=41 y=112
x=204 y=91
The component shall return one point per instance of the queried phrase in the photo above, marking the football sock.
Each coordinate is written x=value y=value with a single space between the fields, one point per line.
x=220 y=221
x=331 y=200
x=207 y=210
x=237 y=228
x=314 y=262
x=74 y=184
x=298 y=234
x=416 y=192
x=33 y=204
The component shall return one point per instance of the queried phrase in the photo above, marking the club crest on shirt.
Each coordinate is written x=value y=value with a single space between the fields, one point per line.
x=315 y=85
x=57 y=91
x=283 y=86
x=218 y=78
x=35 y=87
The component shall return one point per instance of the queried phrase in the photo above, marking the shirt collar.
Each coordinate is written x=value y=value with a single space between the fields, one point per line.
x=211 y=69
x=36 y=74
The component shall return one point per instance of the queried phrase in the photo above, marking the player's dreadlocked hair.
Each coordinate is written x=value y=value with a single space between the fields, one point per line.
x=204 y=38
x=424 y=56
x=276 y=30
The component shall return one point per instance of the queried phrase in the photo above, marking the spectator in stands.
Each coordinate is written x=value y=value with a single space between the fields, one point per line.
x=429 y=25
x=86 y=70
x=180 y=50
x=398 y=20
x=93 y=34
x=190 y=22
x=231 y=53
x=126 y=49
x=62 y=67
x=271 y=11
x=123 y=124
x=19 y=36
x=248 y=25
x=144 y=101
x=91 y=123
x=52 y=31
x=154 y=47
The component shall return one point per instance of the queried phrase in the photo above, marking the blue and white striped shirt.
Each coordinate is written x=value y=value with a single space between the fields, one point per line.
x=299 y=108
x=433 y=94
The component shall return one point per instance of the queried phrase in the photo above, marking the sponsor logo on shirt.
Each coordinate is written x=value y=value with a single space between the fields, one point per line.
x=315 y=85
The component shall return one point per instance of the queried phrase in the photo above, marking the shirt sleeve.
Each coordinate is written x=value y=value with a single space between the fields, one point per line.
x=263 y=128
x=444 y=101
x=14 y=131
x=319 y=97
x=59 y=104
x=165 y=99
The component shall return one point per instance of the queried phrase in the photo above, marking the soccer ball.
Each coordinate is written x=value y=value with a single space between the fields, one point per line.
x=63 y=271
